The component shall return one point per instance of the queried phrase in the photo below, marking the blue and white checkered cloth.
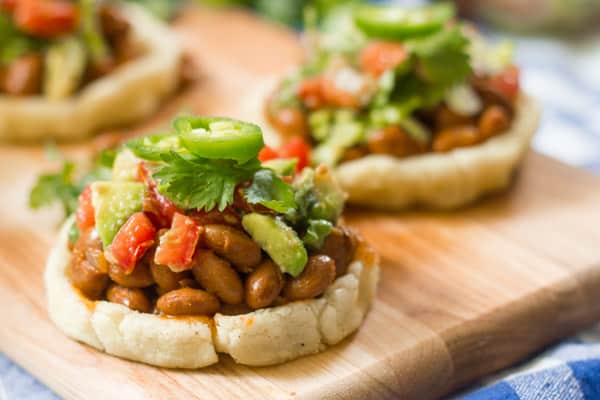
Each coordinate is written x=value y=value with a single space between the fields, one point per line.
x=570 y=371
x=566 y=79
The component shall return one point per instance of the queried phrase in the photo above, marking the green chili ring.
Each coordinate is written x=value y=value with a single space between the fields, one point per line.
x=219 y=138
x=152 y=147
x=395 y=22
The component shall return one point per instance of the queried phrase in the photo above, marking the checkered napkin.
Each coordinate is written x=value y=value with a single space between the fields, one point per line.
x=570 y=371
x=566 y=79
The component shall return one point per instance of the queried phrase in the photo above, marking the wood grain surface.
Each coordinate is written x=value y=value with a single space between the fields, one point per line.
x=462 y=294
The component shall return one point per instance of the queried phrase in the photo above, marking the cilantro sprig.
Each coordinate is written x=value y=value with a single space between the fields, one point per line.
x=59 y=187
x=437 y=62
x=201 y=183
x=269 y=190
x=201 y=164
x=65 y=185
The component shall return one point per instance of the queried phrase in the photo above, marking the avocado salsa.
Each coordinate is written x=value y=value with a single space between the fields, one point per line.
x=191 y=223
x=389 y=80
x=55 y=47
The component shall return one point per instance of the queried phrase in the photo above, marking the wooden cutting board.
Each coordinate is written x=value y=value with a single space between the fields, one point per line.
x=462 y=294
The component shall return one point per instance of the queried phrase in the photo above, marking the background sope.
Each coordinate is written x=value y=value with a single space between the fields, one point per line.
x=523 y=243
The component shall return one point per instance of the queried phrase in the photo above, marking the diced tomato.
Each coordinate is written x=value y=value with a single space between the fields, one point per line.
x=379 y=57
x=8 y=5
x=288 y=121
x=336 y=96
x=267 y=153
x=296 y=148
x=84 y=216
x=177 y=247
x=507 y=82
x=310 y=92
x=131 y=242
x=46 y=18
x=158 y=207
x=320 y=91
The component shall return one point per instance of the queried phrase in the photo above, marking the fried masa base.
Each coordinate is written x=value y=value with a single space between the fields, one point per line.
x=130 y=93
x=442 y=180
x=435 y=180
x=263 y=337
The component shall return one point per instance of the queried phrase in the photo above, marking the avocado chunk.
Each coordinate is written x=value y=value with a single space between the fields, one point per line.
x=319 y=194
x=64 y=68
x=344 y=132
x=330 y=196
x=282 y=166
x=279 y=241
x=113 y=203
x=125 y=166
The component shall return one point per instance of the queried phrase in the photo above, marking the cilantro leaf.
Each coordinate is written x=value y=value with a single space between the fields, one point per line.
x=64 y=187
x=270 y=191
x=201 y=183
x=57 y=187
x=442 y=58
x=317 y=231
x=13 y=43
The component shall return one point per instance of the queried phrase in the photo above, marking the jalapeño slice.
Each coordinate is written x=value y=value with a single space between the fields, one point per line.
x=219 y=138
x=396 y=22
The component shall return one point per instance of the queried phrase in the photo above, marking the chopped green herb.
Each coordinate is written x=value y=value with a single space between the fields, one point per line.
x=317 y=231
x=270 y=191
x=73 y=233
x=442 y=58
x=91 y=33
x=202 y=183
x=64 y=187
x=57 y=187
x=13 y=43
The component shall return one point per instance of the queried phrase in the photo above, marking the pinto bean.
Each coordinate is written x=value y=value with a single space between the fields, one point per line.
x=87 y=269
x=133 y=298
x=340 y=245
x=23 y=76
x=394 y=141
x=114 y=26
x=96 y=70
x=217 y=276
x=89 y=246
x=338 y=96
x=493 y=121
x=312 y=282
x=3 y=72
x=451 y=138
x=235 y=309
x=140 y=277
x=216 y=217
x=490 y=95
x=166 y=279
x=87 y=278
x=188 y=301
x=446 y=118
x=289 y=121
x=310 y=91
x=354 y=153
x=189 y=283
x=263 y=285
x=234 y=245
x=95 y=255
